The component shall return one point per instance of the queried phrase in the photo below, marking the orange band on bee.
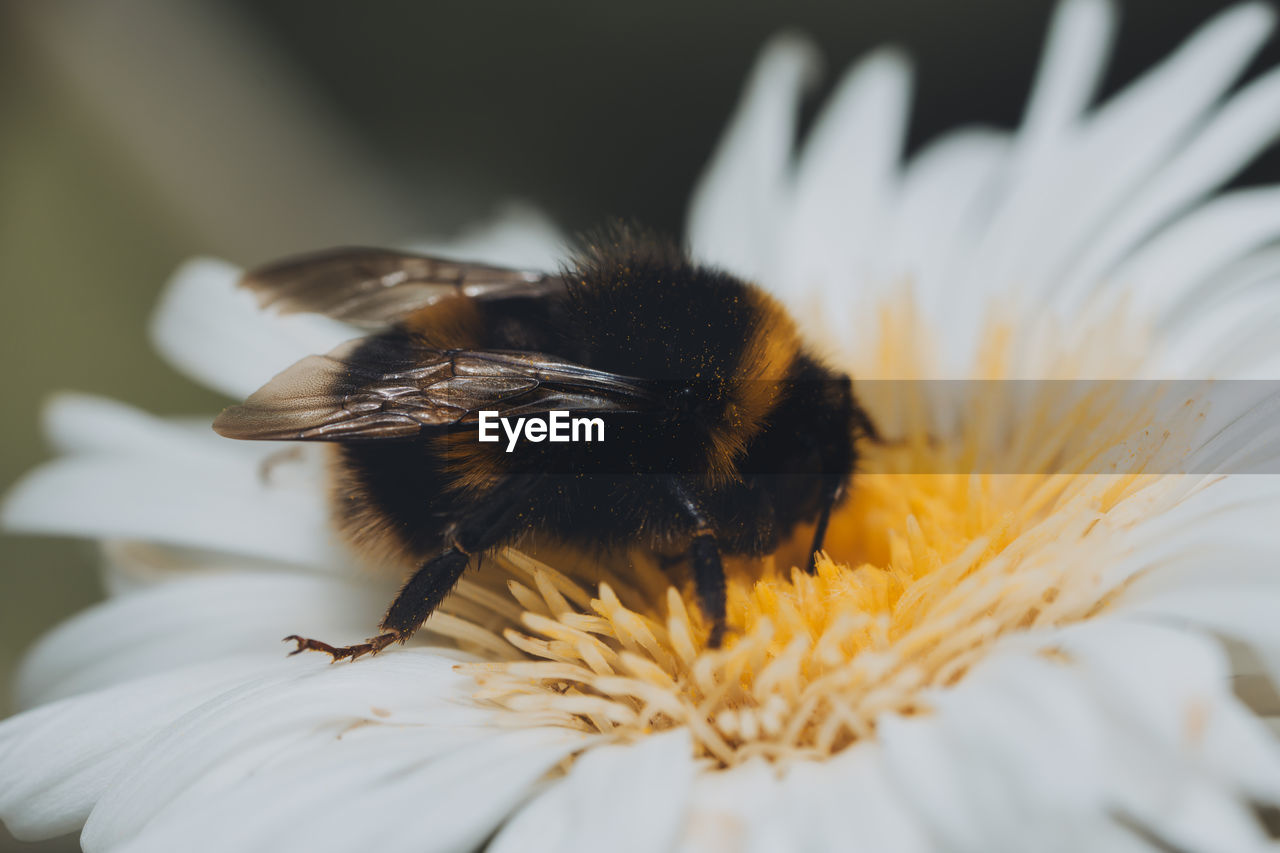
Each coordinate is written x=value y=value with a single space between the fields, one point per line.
x=452 y=323
x=766 y=360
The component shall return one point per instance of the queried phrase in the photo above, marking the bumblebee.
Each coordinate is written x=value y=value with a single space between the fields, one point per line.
x=721 y=432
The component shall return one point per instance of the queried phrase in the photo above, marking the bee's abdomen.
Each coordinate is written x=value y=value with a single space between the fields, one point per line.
x=389 y=498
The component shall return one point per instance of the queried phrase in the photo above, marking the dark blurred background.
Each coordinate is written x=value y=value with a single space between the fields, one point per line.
x=135 y=133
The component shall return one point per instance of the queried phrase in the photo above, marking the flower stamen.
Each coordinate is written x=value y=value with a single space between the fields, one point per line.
x=924 y=573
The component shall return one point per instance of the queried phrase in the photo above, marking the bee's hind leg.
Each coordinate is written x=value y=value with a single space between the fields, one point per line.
x=473 y=534
x=415 y=602
x=370 y=646
x=422 y=594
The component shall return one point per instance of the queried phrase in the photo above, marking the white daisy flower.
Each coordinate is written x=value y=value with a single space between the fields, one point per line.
x=982 y=662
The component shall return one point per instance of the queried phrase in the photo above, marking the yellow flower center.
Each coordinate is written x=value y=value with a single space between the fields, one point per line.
x=922 y=573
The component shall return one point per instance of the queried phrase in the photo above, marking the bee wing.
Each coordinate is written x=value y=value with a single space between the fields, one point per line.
x=389 y=388
x=376 y=287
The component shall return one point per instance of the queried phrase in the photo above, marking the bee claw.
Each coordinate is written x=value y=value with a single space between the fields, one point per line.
x=337 y=653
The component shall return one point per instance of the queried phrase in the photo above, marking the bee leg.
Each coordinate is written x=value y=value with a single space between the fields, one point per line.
x=268 y=465
x=417 y=598
x=370 y=646
x=473 y=534
x=830 y=496
x=708 y=579
x=423 y=592
x=708 y=572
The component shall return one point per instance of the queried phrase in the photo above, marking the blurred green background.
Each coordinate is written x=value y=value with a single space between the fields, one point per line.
x=135 y=133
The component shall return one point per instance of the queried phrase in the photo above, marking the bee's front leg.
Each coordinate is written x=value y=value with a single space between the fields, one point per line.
x=832 y=487
x=708 y=578
x=704 y=554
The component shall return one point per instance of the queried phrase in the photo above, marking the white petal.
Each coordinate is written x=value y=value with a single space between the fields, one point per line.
x=130 y=566
x=541 y=825
x=1216 y=515
x=1085 y=168
x=1188 y=758
x=86 y=423
x=1208 y=339
x=441 y=786
x=518 y=236
x=1071 y=66
x=1247 y=443
x=844 y=803
x=1242 y=128
x=1202 y=242
x=943 y=203
x=1201 y=817
x=1074 y=57
x=1132 y=136
x=214 y=331
x=193 y=620
x=1256 y=271
x=974 y=768
x=1167 y=690
x=834 y=228
x=380 y=787
x=1247 y=614
x=204 y=505
x=137 y=476
x=59 y=759
x=1221 y=535
x=633 y=795
x=1228 y=341
x=944 y=193
x=291 y=713
x=737 y=810
x=737 y=203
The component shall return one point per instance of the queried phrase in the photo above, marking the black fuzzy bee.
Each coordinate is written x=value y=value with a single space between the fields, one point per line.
x=721 y=433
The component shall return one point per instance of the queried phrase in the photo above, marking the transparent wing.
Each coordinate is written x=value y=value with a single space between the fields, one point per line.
x=388 y=387
x=376 y=287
